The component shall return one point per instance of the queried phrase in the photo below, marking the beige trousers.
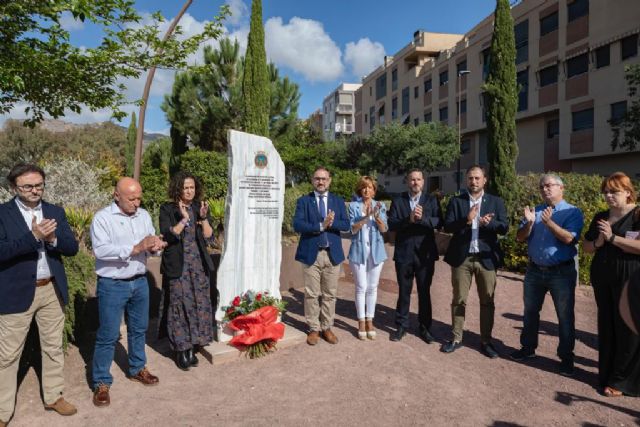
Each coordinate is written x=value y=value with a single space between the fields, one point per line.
x=320 y=292
x=49 y=314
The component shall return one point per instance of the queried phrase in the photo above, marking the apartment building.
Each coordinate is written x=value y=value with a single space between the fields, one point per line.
x=338 y=111
x=570 y=64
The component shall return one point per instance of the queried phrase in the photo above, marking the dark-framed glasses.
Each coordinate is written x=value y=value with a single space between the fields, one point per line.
x=30 y=187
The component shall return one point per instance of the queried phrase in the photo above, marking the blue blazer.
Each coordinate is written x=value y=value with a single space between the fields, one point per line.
x=357 y=253
x=19 y=256
x=491 y=255
x=415 y=238
x=306 y=221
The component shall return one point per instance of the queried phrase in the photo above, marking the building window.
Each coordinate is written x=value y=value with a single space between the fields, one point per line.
x=381 y=86
x=416 y=91
x=603 y=57
x=366 y=116
x=394 y=79
x=549 y=23
x=577 y=65
x=521 y=35
x=394 y=108
x=428 y=86
x=486 y=60
x=577 y=9
x=618 y=110
x=523 y=96
x=405 y=101
x=416 y=121
x=549 y=75
x=381 y=118
x=372 y=121
x=370 y=90
x=427 y=117
x=462 y=106
x=461 y=66
x=444 y=77
x=581 y=120
x=629 y=47
x=553 y=128
x=444 y=114
x=465 y=147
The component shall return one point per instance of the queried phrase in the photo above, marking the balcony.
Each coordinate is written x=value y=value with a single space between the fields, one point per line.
x=344 y=128
x=344 y=108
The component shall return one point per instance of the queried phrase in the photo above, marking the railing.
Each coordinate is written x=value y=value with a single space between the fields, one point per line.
x=344 y=108
x=344 y=128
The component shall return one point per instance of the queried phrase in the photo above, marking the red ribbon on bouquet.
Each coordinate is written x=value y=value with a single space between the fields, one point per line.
x=259 y=325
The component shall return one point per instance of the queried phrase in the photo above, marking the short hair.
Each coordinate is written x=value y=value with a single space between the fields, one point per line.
x=478 y=167
x=553 y=176
x=23 y=169
x=176 y=186
x=364 y=182
x=321 y=168
x=410 y=171
x=619 y=181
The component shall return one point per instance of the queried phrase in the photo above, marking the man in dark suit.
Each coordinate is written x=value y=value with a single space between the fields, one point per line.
x=33 y=237
x=414 y=216
x=319 y=218
x=475 y=219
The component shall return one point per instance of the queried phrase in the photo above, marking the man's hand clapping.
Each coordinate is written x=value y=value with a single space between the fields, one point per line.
x=529 y=214
x=416 y=215
x=45 y=230
x=328 y=221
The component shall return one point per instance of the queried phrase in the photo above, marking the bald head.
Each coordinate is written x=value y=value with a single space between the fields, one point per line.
x=128 y=195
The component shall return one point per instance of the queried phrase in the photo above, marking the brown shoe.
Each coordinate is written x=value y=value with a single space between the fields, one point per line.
x=145 y=377
x=4 y=423
x=329 y=336
x=62 y=407
x=313 y=337
x=101 y=396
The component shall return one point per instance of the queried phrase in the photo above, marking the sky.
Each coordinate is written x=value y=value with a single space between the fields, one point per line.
x=317 y=44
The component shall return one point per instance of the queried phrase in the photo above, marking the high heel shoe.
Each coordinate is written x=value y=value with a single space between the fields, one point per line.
x=362 y=334
x=370 y=332
x=193 y=360
x=182 y=360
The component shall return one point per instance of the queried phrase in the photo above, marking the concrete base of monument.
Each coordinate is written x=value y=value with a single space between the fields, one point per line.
x=220 y=352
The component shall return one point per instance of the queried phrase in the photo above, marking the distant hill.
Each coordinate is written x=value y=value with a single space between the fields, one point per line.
x=60 y=126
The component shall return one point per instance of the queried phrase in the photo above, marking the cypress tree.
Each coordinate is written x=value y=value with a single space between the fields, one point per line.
x=130 y=148
x=501 y=96
x=255 y=82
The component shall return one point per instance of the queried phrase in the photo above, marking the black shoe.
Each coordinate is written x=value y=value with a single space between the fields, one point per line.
x=488 y=350
x=566 y=367
x=522 y=354
x=424 y=333
x=182 y=360
x=450 y=346
x=193 y=360
x=398 y=334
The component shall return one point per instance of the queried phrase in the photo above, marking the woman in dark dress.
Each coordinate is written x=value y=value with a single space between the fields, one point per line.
x=614 y=236
x=186 y=268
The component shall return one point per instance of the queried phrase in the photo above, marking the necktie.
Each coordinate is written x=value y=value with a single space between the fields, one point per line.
x=324 y=241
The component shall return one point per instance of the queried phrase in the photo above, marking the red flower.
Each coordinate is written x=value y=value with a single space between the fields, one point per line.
x=236 y=301
x=258 y=297
x=230 y=310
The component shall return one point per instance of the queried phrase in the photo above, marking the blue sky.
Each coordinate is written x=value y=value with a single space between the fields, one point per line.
x=317 y=44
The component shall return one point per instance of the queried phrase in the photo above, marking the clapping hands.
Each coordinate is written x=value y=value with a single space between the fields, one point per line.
x=44 y=230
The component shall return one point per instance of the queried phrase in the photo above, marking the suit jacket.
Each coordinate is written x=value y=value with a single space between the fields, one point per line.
x=173 y=254
x=19 y=256
x=415 y=238
x=491 y=255
x=306 y=221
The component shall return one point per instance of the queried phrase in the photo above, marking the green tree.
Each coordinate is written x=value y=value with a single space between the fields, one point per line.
x=42 y=68
x=154 y=176
x=255 y=82
x=130 y=148
x=501 y=96
x=626 y=132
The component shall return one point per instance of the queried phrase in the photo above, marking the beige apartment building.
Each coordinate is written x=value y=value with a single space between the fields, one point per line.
x=570 y=63
x=338 y=110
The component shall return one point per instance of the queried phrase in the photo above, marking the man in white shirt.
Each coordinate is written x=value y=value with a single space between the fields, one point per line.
x=122 y=237
x=33 y=237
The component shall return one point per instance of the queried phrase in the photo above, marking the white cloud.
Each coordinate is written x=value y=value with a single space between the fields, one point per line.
x=303 y=46
x=69 y=23
x=239 y=11
x=363 y=56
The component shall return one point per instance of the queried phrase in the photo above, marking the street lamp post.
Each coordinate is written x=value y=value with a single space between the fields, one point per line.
x=460 y=74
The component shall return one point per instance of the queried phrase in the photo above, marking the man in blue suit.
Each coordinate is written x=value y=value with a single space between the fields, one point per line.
x=319 y=218
x=414 y=216
x=33 y=237
x=475 y=219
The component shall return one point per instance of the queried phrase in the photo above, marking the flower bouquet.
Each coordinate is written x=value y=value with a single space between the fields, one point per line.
x=256 y=316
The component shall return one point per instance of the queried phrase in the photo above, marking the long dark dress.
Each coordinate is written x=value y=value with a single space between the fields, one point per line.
x=618 y=347
x=190 y=315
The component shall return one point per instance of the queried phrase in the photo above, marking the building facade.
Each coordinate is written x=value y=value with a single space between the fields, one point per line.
x=338 y=112
x=570 y=61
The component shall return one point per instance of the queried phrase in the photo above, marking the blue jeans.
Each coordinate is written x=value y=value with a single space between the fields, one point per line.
x=113 y=297
x=561 y=283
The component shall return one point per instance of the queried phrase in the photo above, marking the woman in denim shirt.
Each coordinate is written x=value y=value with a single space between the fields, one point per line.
x=368 y=219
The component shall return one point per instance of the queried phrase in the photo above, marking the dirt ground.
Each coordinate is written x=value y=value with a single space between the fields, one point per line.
x=362 y=383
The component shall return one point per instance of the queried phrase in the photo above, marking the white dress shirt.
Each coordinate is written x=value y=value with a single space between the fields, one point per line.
x=43 y=271
x=475 y=224
x=413 y=201
x=113 y=236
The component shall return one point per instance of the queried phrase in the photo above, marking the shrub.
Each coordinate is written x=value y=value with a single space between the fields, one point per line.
x=79 y=220
x=212 y=169
x=80 y=275
x=74 y=183
x=291 y=195
x=5 y=195
x=343 y=183
x=154 y=174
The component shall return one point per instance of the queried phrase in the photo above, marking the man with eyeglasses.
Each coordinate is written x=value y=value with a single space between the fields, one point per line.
x=319 y=218
x=34 y=235
x=552 y=231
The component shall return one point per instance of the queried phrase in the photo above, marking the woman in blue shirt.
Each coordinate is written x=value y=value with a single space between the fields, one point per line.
x=368 y=219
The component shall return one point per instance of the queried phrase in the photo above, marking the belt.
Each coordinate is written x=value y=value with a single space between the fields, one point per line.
x=324 y=249
x=128 y=279
x=552 y=267
x=43 y=282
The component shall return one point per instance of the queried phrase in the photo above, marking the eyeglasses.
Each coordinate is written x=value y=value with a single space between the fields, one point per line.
x=548 y=185
x=612 y=192
x=28 y=187
x=320 y=178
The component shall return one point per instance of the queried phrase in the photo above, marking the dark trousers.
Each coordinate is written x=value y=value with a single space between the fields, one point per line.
x=423 y=273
